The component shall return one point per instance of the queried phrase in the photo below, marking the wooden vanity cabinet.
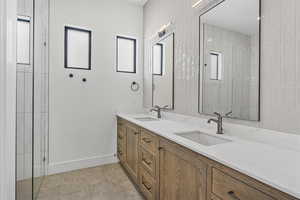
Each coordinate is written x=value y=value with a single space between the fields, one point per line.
x=182 y=174
x=164 y=170
x=224 y=183
x=227 y=187
x=121 y=141
x=128 y=144
x=149 y=165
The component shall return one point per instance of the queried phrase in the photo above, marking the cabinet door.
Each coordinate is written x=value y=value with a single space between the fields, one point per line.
x=121 y=144
x=182 y=174
x=132 y=138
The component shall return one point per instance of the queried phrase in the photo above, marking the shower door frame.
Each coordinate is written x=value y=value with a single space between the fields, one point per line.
x=8 y=15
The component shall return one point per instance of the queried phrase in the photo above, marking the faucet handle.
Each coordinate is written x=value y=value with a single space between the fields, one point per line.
x=218 y=114
x=165 y=107
x=228 y=114
x=161 y=108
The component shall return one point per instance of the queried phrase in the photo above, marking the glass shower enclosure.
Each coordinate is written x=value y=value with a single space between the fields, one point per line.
x=32 y=97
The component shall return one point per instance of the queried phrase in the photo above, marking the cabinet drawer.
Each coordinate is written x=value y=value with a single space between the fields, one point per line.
x=147 y=184
x=149 y=141
x=229 y=188
x=147 y=161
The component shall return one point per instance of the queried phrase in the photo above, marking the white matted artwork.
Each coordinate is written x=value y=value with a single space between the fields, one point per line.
x=77 y=48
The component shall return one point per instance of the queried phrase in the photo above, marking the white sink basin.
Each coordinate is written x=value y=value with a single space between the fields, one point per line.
x=203 y=138
x=146 y=119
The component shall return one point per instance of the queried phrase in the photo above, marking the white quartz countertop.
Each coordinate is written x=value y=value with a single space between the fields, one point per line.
x=275 y=166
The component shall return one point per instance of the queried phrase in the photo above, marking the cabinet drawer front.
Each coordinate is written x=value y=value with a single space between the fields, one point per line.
x=121 y=150
x=149 y=141
x=148 y=161
x=147 y=184
x=229 y=188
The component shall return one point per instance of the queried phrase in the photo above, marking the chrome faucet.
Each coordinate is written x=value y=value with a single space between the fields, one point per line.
x=218 y=121
x=158 y=109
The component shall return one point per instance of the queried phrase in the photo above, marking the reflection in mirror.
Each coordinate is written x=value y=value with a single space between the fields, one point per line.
x=158 y=59
x=163 y=72
x=215 y=66
x=23 y=40
x=230 y=59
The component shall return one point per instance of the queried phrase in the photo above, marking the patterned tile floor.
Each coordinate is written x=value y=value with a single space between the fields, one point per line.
x=108 y=182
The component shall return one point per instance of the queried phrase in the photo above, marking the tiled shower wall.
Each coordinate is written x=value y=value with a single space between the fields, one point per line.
x=24 y=104
x=280 y=63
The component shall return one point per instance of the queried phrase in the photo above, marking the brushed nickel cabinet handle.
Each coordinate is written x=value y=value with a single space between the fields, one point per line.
x=233 y=195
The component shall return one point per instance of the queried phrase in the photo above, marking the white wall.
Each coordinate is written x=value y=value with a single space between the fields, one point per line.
x=82 y=115
x=280 y=64
x=8 y=11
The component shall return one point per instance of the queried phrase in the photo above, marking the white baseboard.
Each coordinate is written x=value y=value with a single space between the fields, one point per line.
x=60 y=167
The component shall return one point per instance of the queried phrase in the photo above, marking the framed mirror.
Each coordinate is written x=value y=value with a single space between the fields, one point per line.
x=229 y=78
x=163 y=71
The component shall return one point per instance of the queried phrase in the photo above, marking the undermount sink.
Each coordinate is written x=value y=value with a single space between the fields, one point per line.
x=202 y=138
x=146 y=119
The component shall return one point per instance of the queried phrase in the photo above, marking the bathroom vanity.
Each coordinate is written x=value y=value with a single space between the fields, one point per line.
x=168 y=166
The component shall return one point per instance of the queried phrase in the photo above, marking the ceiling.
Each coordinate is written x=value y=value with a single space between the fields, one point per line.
x=138 y=2
x=237 y=15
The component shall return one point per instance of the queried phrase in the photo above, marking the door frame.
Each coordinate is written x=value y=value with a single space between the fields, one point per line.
x=8 y=16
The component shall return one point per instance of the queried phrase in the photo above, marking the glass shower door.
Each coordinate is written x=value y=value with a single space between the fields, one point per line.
x=32 y=97
x=24 y=131
x=41 y=111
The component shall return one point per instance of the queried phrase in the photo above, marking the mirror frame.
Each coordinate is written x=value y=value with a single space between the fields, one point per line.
x=210 y=6
x=154 y=42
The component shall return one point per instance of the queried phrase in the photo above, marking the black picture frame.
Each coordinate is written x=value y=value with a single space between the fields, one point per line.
x=89 y=32
x=161 y=60
x=134 y=53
